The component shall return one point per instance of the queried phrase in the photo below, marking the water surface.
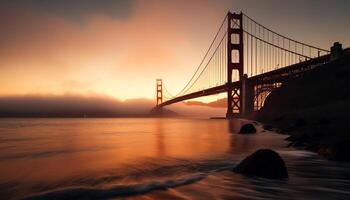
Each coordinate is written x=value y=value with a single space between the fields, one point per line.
x=152 y=159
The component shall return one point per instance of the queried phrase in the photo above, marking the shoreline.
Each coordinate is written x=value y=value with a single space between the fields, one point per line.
x=303 y=136
x=314 y=110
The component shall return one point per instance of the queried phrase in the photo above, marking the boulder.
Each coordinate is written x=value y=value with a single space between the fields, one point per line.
x=247 y=128
x=323 y=121
x=295 y=125
x=264 y=163
x=268 y=127
x=338 y=151
x=300 y=122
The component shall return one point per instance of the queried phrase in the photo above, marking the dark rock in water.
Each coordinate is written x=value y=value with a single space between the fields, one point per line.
x=299 y=140
x=295 y=125
x=268 y=127
x=323 y=121
x=338 y=151
x=279 y=118
x=247 y=128
x=300 y=122
x=264 y=163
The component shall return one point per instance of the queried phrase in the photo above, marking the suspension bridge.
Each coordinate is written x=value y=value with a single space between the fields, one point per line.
x=247 y=61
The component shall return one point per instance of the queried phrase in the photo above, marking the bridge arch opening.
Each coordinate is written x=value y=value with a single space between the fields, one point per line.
x=262 y=92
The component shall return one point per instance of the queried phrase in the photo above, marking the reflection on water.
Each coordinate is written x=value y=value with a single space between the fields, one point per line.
x=139 y=158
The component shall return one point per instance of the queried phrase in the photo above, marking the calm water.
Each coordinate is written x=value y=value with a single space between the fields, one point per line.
x=152 y=159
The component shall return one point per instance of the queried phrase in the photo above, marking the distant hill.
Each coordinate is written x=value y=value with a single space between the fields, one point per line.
x=220 y=103
x=162 y=112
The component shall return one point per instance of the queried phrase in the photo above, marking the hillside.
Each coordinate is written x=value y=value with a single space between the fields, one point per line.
x=315 y=110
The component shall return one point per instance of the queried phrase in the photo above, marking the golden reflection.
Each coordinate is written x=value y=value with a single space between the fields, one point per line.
x=59 y=149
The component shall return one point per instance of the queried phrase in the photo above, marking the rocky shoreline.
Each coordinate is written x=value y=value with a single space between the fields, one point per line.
x=314 y=110
x=323 y=138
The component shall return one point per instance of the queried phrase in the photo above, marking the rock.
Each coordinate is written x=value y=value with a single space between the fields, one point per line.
x=264 y=163
x=247 y=128
x=299 y=140
x=279 y=118
x=300 y=122
x=268 y=127
x=338 y=151
x=295 y=125
x=323 y=121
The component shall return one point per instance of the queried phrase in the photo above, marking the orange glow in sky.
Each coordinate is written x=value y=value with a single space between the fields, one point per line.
x=50 y=53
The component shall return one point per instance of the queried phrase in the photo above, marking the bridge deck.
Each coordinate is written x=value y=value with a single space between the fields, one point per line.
x=278 y=75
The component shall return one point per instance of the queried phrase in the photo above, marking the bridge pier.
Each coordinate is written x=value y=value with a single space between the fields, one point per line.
x=247 y=97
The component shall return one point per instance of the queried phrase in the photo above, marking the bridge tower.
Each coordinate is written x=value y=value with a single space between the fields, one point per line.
x=235 y=63
x=159 y=88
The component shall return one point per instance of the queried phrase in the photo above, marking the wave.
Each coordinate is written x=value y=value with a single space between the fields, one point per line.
x=297 y=153
x=114 y=191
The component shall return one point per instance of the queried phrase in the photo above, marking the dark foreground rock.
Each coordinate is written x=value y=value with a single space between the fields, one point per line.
x=247 y=129
x=329 y=139
x=264 y=163
x=338 y=151
x=268 y=127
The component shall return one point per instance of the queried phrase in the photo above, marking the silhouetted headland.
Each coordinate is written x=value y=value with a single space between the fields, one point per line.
x=314 y=109
x=162 y=112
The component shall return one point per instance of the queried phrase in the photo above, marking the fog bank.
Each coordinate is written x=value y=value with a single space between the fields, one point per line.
x=91 y=106
x=72 y=106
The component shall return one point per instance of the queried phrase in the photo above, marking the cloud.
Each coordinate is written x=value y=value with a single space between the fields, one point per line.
x=75 y=10
x=41 y=52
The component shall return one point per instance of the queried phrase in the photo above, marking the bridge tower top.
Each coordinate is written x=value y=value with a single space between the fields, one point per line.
x=159 y=88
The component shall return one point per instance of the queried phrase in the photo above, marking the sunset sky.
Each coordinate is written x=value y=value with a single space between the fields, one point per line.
x=118 y=48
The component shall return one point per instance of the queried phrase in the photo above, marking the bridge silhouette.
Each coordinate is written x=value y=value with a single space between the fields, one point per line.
x=247 y=61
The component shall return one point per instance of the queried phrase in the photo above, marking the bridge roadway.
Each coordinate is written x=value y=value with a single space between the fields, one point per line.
x=275 y=76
